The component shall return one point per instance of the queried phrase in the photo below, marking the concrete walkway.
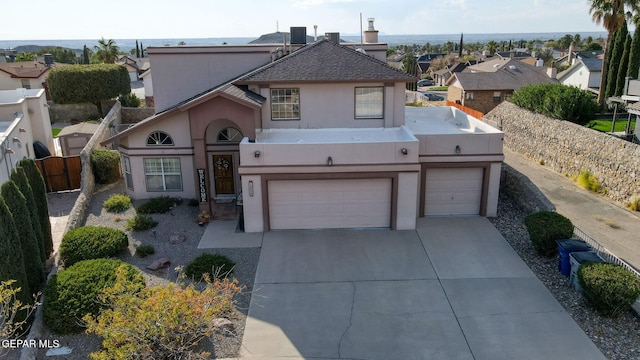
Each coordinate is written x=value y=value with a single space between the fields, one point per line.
x=452 y=289
x=609 y=224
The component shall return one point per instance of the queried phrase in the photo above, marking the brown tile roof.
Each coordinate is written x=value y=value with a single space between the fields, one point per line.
x=25 y=69
x=325 y=61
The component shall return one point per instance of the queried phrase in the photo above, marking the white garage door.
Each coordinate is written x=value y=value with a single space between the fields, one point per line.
x=453 y=191
x=329 y=204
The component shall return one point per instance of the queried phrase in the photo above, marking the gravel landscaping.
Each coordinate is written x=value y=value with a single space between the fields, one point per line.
x=617 y=338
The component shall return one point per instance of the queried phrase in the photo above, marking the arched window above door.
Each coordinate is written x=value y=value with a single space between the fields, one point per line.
x=159 y=138
x=230 y=134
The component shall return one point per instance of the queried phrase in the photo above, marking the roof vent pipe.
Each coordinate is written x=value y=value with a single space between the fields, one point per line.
x=371 y=34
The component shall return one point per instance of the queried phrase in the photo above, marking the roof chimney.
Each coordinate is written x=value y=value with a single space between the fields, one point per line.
x=371 y=34
x=552 y=72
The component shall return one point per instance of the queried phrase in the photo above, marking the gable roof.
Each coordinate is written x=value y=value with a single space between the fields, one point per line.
x=325 y=61
x=25 y=69
x=513 y=75
x=593 y=65
x=228 y=90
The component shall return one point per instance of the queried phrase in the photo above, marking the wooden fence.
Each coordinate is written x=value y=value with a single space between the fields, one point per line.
x=60 y=173
x=475 y=113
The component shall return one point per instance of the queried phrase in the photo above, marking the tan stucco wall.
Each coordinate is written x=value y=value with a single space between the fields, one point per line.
x=320 y=108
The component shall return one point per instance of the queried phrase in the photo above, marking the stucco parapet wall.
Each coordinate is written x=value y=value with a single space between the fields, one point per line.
x=568 y=149
x=326 y=169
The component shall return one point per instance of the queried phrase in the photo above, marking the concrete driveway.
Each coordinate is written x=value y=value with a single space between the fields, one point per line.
x=452 y=289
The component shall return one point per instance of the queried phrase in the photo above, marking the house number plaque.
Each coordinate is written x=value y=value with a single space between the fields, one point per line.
x=203 y=186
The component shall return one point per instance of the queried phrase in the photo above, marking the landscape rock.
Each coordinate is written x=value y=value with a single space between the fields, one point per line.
x=222 y=325
x=159 y=264
x=177 y=238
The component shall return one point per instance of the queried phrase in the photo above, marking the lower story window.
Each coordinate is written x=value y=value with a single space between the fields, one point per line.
x=163 y=174
x=496 y=96
x=126 y=170
x=469 y=96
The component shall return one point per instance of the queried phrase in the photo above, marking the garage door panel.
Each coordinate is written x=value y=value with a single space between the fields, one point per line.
x=453 y=191
x=320 y=204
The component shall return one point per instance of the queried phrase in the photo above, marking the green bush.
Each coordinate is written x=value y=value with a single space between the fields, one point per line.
x=106 y=166
x=140 y=222
x=545 y=227
x=158 y=205
x=20 y=178
x=557 y=101
x=587 y=180
x=11 y=260
x=143 y=251
x=609 y=288
x=117 y=203
x=209 y=264
x=72 y=293
x=91 y=242
x=40 y=195
x=129 y=100
x=30 y=247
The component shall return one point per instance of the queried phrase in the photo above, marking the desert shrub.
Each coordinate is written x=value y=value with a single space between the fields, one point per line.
x=557 y=101
x=91 y=242
x=143 y=251
x=117 y=203
x=587 y=180
x=129 y=100
x=157 y=205
x=209 y=264
x=545 y=227
x=160 y=322
x=14 y=314
x=140 y=222
x=609 y=288
x=634 y=203
x=73 y=293
x=105 y=165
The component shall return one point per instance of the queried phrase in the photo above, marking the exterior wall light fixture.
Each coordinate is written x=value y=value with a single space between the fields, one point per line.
x=458 y=149
x=257 y=153
x=329 y=161
x=404 y=151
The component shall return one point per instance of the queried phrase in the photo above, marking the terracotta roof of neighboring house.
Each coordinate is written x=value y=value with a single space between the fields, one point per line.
x=325 y=61
x=26 y=69
x=513 y=76
x=228 y=90
x=81 y=128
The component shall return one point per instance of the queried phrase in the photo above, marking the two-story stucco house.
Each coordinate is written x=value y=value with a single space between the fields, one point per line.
x=310 y=136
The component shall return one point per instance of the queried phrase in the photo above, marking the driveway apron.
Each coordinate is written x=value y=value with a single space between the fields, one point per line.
x=452 y=289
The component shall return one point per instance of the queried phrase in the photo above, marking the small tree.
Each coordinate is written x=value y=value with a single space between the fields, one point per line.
x=88 y=83
x=41 y=201
x=106 y=51
x=11 y=259
x=160 y=322
x=24 y=56
x=14 y=313
x=410 y=64
x=30 y=249
x=633 y=71
x=18 y=176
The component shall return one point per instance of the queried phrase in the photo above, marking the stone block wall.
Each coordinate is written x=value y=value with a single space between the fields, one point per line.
x=134 y=115
x=568 y=148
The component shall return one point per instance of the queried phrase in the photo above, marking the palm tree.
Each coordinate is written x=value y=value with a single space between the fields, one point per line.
x=612 y=14
x=492 y=46
x=106 y=51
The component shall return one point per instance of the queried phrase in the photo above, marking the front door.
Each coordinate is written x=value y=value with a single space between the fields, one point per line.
x=223 y=174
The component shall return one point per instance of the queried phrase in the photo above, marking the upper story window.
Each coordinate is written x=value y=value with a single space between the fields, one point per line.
x=230 y=135
x=496 y=96
x=369 y=102
x=468 y=96
x=159 y=138
x=25 y=83
x=285 y=104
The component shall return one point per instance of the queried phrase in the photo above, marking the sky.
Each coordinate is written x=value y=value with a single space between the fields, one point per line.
x=170 y=19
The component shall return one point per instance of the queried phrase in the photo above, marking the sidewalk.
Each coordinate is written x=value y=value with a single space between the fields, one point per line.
x=614 y=227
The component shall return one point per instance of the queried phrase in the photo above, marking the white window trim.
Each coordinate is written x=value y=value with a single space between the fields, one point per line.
x=126 y=170
x=294 y=104
x=163 y=174
x=369 y=102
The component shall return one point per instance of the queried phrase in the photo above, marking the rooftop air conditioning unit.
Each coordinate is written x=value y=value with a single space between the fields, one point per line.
x=298 y=35
x=333 y=37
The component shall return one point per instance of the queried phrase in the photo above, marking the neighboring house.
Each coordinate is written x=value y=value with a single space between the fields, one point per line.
x=25 y=74
x=135 y=66
x=147 y=80
x=585 y=73
x=442 y=76
x=424 y=62
x=514 y=54
x=24 y=119
x=317 y=138
x=485 y=85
